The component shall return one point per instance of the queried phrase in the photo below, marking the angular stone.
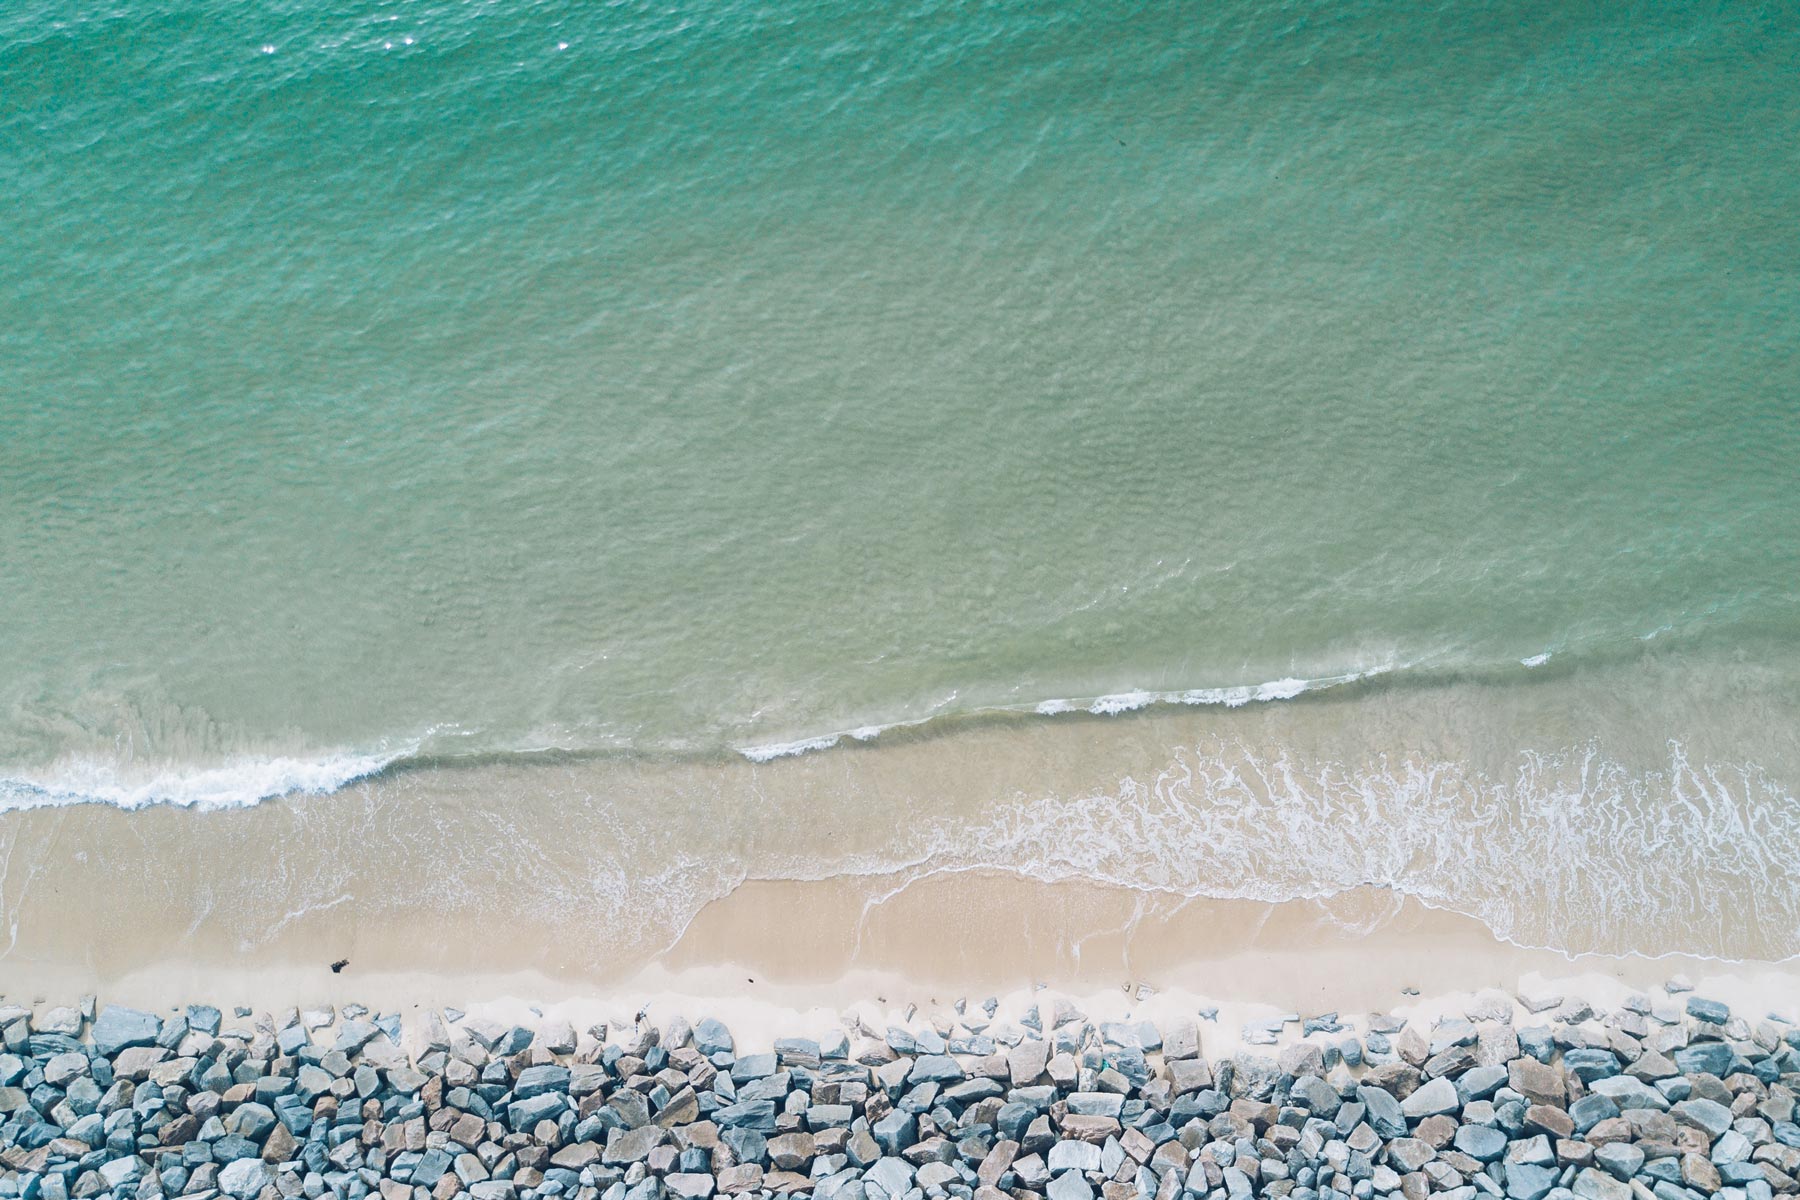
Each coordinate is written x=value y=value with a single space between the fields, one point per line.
x=1629 y=1093
x=1697 y=1171
x=121 y=1171
x=1482 y=1082
x=710 y=1038
x=690 y=1185
x=119 y=1027
x=572 y=1157
x=1592 y=1184
x=1319 y=1097
x=935 y=1068
x=1096 y=1104
x=1302 y=1058
x=1482 y=1143
x=1710 y=1011
x=1436 y=1096
x=1189 y=1075
x=1709 y=1116
x=1538 y=1082
x=251 y=1121
x=1071 y=1155
x=1070 y=1185
x=746 y=1177
x=632 y=1145
x=1384 y=1112
x=891 y=1176
x=1545 y=1118
x=1181 y=1039
x=541 y=1080
x=1528 y=1182
x=1704 y=1058
x=244 y=1177
x=1590 y=1110
x=895 y=1132
x=792 y=1151
x=996 y=1163
x=66 y=1021
x=1621 y=1160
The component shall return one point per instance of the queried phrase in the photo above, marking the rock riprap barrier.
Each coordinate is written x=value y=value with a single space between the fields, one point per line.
x=1664 y=1099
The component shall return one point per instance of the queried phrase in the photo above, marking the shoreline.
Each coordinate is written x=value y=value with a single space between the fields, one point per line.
x=780 y=949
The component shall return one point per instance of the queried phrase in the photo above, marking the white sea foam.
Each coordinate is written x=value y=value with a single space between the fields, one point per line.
x=774 y=750
x=1109 y=705
x=1536 y=660
x=233 y=784
x=1620 y=859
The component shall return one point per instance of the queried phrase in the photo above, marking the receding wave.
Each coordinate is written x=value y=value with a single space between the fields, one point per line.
x=1572 y=850
x=234 y=784
x=247 y=778
x=1111 y=704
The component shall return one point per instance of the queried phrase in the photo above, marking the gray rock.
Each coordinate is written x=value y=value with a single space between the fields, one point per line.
x=1181 y=1039
x=1070 y=1185
x=66 y=1021
x=1026 y=1061
x=1483 y=1143
x=1437 y=1096
x=117 y=1027
x=753 y=1066
x=748 y=1114
x=1592 y=1184
x=632 y=1145
x=121 y=1171
x=1319 y=1097
x=541 y=1080
x=1629 y=1093
x=689 y=1185
x=1482 y=1082
x=935 y=1068
x=1385 y=1114
x=252 y=1121
x=1096 y=1104
x=1525 y=1181
x=556 y=1035
x=1590 y=1110
x=891 y=1176
x=1708 y=1115
x=936 y=1175
x=1302 y=1058
x=1620 y=1159
x=1711 y=1011
x=711 y=1037
x=1071 y=1155
x=354 y=1035
x=895 y=1132
x=523 y=1115
x=244 y=1177
x=1704 y=1058
x=62 y=1069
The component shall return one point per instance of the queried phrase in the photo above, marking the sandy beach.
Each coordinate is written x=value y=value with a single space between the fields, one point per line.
x=771 y=952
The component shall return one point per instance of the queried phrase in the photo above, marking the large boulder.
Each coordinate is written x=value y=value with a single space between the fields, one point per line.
x=119 y=1027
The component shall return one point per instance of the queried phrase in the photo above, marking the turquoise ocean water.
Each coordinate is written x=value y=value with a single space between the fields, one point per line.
x=440 y=382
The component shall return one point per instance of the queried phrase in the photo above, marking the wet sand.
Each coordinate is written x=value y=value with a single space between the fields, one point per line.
x=770 y=953
x=1163 y=848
